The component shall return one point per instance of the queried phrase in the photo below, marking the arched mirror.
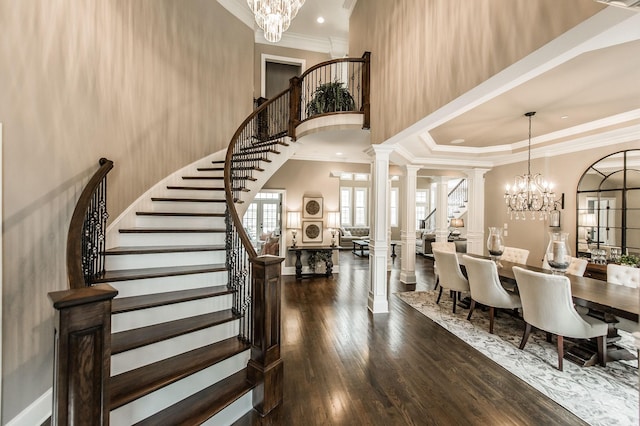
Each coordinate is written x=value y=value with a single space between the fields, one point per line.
x=608 y=206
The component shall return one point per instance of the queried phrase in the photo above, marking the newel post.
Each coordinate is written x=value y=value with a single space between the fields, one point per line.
x=265 y=367
x=366 y=90
x=295 y=105
x=82 y=355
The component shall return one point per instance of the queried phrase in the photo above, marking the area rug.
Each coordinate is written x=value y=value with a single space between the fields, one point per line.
x=599 y=396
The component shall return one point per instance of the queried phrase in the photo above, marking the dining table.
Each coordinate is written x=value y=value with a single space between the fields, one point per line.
x=603 y=300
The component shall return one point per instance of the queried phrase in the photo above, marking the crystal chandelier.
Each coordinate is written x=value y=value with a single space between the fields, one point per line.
x=274 y=16
x=530 y=193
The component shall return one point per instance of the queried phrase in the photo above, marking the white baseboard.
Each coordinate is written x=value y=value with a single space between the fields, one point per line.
x=36 y=413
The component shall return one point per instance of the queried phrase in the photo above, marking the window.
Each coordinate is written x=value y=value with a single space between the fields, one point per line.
x=422 y=204
x=393 y=207
x=345 y=206
x=353 y=206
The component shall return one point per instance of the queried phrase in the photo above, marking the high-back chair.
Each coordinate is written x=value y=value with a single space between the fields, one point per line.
x=515 y=255
x=486 y=288
x=577 y=266
x=443 y=246
x=548 y=306
x=450 y=275
x=629 y=277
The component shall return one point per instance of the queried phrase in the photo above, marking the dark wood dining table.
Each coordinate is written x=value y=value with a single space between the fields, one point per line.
x=603 y=299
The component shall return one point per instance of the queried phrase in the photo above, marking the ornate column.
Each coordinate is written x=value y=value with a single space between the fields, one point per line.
x=378 y=245
x=442 y=204
x=475 y=211
x=408 y=223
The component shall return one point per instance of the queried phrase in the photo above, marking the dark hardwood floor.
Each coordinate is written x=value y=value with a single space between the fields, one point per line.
x=345 y=366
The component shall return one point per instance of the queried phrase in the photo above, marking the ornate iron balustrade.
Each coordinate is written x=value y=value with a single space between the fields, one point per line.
x=87 y=230
x=457 y=197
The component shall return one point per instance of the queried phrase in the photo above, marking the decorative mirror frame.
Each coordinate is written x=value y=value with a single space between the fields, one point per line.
x=612 y=186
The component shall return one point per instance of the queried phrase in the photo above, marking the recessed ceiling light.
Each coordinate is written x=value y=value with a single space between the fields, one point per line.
x=564 y=117
x=457 y=141
x=320 y=20
x=338 y=153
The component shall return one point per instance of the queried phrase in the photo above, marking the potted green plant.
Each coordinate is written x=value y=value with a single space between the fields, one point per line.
x=316 y=257
x=629 y=260
x=330 y=97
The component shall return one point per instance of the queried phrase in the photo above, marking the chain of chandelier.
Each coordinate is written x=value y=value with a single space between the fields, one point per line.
x=274 y=16
x=530 y=193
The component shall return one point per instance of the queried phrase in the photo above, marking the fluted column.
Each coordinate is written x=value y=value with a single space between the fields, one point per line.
x=408 y=225
x=475 y=211
x=378 y=244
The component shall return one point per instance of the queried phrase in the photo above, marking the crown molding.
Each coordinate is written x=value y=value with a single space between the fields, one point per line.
x=335 y=46
x=240 y=10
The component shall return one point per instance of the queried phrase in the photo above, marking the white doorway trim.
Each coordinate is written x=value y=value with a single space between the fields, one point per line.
x=264 y=58
x=1 y=271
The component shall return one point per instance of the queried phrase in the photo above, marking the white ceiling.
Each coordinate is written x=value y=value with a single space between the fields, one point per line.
x=590 y=75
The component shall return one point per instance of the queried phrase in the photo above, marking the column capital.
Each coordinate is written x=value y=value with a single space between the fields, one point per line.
x=378 y=150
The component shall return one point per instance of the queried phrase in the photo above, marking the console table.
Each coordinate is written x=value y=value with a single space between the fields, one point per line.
x=314 y=249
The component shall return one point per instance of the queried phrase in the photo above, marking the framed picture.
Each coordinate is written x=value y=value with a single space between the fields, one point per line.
x=312 y=207
x=312 y=231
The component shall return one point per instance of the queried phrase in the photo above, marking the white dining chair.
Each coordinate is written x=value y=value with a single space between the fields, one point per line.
x=443 y=246
x=451 y=276
x=515 y=255
x=547 y=305
x=485 y=287
x=629 y=277
x=576 y=267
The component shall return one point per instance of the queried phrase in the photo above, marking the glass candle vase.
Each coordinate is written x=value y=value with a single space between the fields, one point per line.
x=495 y=243
x=558 y=252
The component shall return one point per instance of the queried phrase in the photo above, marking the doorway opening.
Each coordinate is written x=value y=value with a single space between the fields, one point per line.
x=263 y=222
x=276 y=71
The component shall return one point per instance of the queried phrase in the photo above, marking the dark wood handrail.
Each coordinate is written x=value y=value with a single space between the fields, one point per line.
x=332 y=62
x=75 y=236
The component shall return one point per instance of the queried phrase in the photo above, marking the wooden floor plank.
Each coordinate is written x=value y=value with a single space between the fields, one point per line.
x=345 y=366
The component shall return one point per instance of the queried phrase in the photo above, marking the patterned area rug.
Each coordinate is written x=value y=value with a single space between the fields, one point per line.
x=599 y=396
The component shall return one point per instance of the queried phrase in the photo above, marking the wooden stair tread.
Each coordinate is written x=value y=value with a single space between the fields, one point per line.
x=167 y=271
x=138 y=337
x=264 y=144
x=196 y=188
x=169 y=230
x=134 y=303
x=191 y=200
x=203 y=177
x=210 y=169
x=180 y=214
x=203 y=405
x=134 y=384
x=114 y=251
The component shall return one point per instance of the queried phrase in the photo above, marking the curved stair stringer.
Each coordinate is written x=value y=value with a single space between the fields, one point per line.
x=269 y=169
x=128 y=217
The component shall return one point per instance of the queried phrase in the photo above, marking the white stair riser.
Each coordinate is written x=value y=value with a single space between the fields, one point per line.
x=158 y=260
x=171 y=239
x=232 y=412
x=198 y=193
x=162 y=398
x=175 y=311
x=187 y=207
x=200 y=183
x=179 y=222
x=165 y=284
x=135 y=358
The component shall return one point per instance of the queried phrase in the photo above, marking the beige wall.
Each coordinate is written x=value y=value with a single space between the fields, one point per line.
x=426 y=53
x=150 y=84
x=565 y=172
x=311 y=58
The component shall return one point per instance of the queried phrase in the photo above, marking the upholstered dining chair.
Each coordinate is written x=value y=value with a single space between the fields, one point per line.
x=451 y=276
x=444 y=246
x=515 y=255
x=576 y=267
x=548 y=306
x=629 y=277
x=486 y=288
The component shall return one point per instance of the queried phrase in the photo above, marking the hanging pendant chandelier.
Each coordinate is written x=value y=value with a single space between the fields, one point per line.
x=274 y=16
x=530 y=193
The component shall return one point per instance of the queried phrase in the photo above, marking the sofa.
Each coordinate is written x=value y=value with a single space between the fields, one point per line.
x=428 y=238
x=350 y=233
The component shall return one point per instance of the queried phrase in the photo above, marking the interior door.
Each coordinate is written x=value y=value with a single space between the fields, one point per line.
x=263 y=217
